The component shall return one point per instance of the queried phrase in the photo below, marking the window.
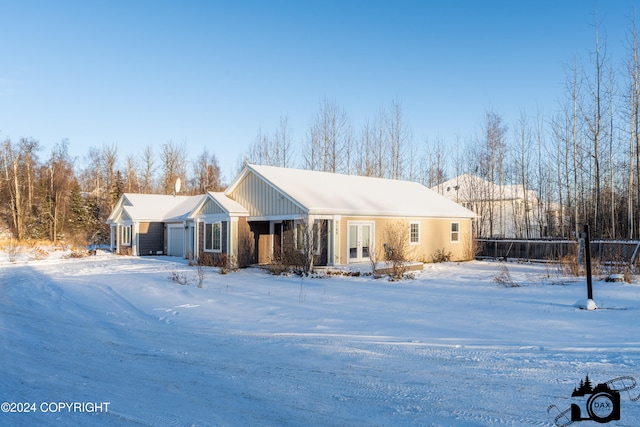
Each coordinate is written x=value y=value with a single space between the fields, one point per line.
x=213 y=237
x=455 y=232
x=126 y=235
x=414 y=233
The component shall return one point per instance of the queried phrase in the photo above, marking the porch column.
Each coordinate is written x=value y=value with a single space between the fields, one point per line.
x=330 y=242
x=118 y=232
x=335 y=240
x=134 y=239
x=196 y=241
x=112 y=235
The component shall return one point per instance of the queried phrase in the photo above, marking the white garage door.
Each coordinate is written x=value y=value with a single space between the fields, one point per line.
x=175 y=240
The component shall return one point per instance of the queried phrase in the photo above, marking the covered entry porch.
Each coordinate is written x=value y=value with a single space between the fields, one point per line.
x=277 y=240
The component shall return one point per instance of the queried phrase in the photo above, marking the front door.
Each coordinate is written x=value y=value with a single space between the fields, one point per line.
x=360 y=240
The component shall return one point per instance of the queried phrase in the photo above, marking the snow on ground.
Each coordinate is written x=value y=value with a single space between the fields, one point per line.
x=449 y=348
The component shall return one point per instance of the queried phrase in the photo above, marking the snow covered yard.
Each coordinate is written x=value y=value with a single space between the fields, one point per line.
x=449 y=348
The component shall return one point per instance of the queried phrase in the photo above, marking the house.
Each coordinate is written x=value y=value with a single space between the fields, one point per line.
x=506 y=211
x=268 y=213
x=221 y=230
x=150 y=224
x=184 y=226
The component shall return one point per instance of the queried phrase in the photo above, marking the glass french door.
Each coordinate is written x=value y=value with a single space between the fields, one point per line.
x=360 y=240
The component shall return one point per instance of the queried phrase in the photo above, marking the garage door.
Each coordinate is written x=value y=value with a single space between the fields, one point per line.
x=175 y=240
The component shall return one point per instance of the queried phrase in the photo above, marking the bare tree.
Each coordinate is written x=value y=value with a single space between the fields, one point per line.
x=593 y=115
x=148 y=164
x=109 y=160
x=329 y=140
x=561 y=126
x=433 y=162
x=131 y=175
x=633 y=103
x=56 y=181
x=523 y=161
x=399 y=138
x=364 y=158
x=29 y=148
x=94 y=168
x=11 y=161
x=489 y=160
x=380 y=144
x=283 y=144
x=173 y=158
x=206 y=173
x=275 y=150
x=19 y=162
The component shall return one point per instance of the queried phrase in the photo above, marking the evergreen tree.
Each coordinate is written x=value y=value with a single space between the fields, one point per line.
x=79 y=218
x=117 y=190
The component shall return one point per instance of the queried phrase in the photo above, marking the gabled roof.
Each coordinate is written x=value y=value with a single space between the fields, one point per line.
x=325 y=193
x=467 y=187
x=153 y=207
x=230 y=206
x=182 y=210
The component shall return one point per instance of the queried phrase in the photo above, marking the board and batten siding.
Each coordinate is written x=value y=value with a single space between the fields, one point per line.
x=262 y=200
x=211 y=208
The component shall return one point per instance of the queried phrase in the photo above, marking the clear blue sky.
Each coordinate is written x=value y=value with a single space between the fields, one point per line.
x=212 y=73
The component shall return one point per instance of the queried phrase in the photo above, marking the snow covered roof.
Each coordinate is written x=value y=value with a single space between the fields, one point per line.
x=469 y=188
x=337 y=194
x=228 y=204
x=182 y=210
x=154 y=207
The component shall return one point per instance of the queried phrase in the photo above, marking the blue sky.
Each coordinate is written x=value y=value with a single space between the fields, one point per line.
x=211 y=73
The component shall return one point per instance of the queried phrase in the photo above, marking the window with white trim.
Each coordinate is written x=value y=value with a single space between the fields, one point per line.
x=455 y=232
x=414 y=233
x=213 y=237
x=126 y=236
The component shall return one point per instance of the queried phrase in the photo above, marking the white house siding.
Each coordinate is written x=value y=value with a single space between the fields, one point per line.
x=263 y=200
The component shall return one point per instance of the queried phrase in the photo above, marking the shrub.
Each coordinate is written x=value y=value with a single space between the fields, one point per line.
x=397 y=249
x=12 y=250
x=77 y=253
x=39 y=253
x=224 y=262
x=179 y=277
x=441 y=255
x=504 y=278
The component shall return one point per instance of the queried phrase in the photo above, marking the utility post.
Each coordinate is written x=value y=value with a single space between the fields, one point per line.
x=589 y=304
x=587 y=256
